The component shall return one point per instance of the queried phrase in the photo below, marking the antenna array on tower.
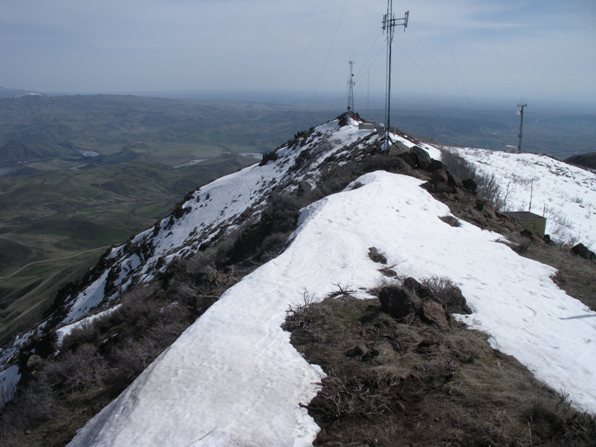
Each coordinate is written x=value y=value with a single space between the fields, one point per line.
x=390 y=22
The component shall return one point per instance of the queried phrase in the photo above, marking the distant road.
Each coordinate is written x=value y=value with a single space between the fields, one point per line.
x=53 y=260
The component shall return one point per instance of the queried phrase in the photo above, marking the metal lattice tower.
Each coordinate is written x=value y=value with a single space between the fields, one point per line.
x=351 y=85
x=520 y=112
x=390 y=22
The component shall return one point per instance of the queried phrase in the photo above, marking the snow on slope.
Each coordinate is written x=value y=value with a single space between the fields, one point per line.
x=65 y=331
x=9 y=378
x=209 y=210
x=564 y=193
x=234 y=379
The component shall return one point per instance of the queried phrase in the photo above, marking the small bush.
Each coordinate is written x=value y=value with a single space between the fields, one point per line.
x=448 y=294
x=76 y=371
x=487 y=186
x=489 y=189
x=270 y=156
x=459 y=168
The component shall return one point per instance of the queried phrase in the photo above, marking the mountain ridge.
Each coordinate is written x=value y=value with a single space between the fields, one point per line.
x=231 y=216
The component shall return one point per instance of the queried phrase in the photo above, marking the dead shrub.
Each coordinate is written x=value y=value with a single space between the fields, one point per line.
x=361 y=397
x=459 y=168
x=76 y=370
x=489 y=189
x=487 y=186
x=448 y=294
x=424 y=386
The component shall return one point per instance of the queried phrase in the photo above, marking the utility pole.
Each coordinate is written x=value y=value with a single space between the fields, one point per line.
x=351 y=85
x=520 y=112
x=390 y=22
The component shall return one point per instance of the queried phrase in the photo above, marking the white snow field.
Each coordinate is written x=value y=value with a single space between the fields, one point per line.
x=233 y=378
x=564 y=194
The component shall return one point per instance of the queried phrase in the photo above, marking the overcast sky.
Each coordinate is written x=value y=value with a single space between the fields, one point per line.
x=512 y=49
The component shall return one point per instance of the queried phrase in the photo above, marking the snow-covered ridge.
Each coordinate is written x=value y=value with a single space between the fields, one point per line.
x=233 y=377
x=198 y=382
x=209 y=213
x=564 y=194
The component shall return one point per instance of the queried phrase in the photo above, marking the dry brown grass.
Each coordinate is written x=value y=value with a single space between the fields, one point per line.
x=392 y=384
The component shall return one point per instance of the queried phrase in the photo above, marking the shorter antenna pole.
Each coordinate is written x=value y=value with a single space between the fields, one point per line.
x=520 y=111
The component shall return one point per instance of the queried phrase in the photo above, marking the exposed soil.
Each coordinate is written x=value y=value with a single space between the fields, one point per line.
x=411 y=383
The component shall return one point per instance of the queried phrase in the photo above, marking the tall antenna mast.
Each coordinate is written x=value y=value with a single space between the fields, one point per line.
x=520 y=112
x=351 y=85
x=390 y=22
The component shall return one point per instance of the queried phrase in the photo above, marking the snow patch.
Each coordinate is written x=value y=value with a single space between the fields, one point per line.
x=564 y=194
x=65 y=331
x=9 y=378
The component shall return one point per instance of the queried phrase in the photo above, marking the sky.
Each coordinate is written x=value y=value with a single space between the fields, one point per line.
x=515 y=50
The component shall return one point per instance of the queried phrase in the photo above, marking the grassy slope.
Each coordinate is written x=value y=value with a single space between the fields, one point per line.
x=415 y=384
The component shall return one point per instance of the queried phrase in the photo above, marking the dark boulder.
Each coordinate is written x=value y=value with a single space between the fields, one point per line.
x=376 y=256
x=410 y=158
x=439 y=176
x=424 y=160
x=583 y=252
x=450 y=220
x=420 y=290
x=397 y=302
x=435 y=165
x=470 y=185
x=453 y=300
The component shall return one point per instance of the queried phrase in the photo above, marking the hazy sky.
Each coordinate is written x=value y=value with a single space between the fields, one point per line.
x=512 y=49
